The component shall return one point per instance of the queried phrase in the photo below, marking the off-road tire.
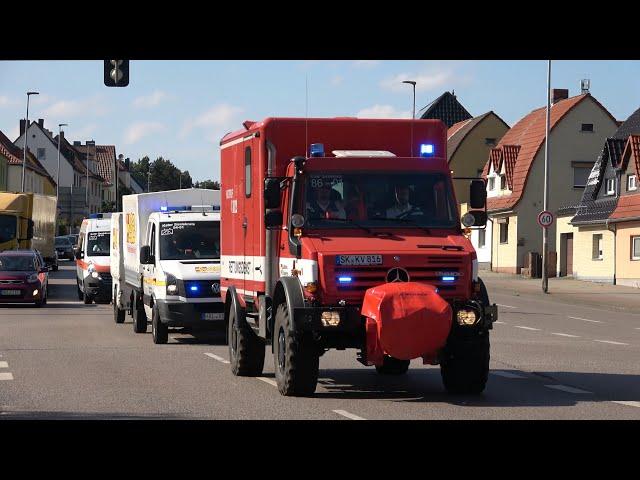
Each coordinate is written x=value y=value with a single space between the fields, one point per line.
x=139 y=319
x=246 y=349
x=118 y=315
x=465 y=368
x=298 y=364
x=393 y=366
x=159 y=330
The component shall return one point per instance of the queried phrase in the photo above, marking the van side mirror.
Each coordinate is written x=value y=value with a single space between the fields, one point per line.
x=30 y=230
x=273 y=219
x=272 y=192
x=145 y=255
x=477 y=194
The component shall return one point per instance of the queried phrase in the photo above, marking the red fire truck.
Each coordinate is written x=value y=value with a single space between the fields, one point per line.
x=345 y=233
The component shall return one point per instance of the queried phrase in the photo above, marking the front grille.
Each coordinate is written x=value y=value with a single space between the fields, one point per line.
x=106 y=278
x=200 y=288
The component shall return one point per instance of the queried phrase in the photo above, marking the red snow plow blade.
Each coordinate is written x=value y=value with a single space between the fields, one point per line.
x=406 y=321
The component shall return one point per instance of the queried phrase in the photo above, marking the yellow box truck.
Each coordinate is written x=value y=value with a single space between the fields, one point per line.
x=27 y=220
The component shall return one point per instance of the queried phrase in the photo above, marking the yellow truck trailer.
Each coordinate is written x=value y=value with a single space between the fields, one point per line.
x=27 y=220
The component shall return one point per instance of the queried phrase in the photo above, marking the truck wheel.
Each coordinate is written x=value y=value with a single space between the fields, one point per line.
x=465 y=368
x=139 y=319
x=296 y=357
x=118 y=315
x=393 y=366
x=159 y=330
x=246 y=349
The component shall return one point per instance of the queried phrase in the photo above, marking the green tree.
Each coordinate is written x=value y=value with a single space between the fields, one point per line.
x=164 y=175
x=208 y=184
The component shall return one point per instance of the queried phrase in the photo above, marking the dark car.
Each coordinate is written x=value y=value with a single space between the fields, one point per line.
x=64 y=247
x=24 y=278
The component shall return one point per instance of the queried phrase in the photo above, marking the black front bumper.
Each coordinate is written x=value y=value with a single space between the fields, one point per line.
x=349 y=333
x=98 y=288
x=183 y=314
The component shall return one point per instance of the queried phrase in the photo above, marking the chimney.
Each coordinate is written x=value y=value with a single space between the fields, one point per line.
x=61 y=136
x=77 y=143
x=558 y=94
x=22 y=124
x=41 y=122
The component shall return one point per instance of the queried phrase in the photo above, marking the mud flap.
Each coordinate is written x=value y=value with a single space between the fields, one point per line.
x=406 y=321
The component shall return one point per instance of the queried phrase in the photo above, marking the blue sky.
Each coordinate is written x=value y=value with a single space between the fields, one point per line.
x=181 y=109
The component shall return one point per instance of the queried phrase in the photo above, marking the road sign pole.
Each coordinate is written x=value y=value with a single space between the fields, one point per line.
x=545 y=231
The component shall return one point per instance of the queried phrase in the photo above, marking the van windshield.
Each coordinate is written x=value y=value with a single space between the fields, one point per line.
x=189 y=240
x=381 y=199
x=7 y=228
x=98 y=244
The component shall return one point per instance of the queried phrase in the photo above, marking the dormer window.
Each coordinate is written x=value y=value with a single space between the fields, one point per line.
x=503 y=182
x=632 y=183
x=611 y=186
x=492 y=183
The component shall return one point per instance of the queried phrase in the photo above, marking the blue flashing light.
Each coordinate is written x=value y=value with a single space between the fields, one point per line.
x=344 y=279
x=163 y=208
x=427 y=150
x=95 y=215
x=317 y=150
x=194 y=288
x=448 y=279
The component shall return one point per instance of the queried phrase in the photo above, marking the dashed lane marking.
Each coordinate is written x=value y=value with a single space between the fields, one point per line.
x=528 y=328
x=611 y=342
x=351 y=416
x=565 y=335
x=505 y=306
x=564 y=388
x=506 y=374
x=6 y=376
x=500 y=323
x=586 y=320
x=270 y=381
x=216 y=357
x=627 y=403
x=4 y=364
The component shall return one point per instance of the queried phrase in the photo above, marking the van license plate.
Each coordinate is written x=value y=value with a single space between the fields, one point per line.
x=359 y=260
x=212 y=316
x=10 y=292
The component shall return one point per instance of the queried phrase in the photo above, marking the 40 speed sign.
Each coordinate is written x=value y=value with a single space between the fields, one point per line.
x=545 y=219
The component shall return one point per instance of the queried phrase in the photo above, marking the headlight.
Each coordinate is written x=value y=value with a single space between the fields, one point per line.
x=466 y=316
x=172 y=285
x=94 y=274
x=330 y=319
x=33 y=278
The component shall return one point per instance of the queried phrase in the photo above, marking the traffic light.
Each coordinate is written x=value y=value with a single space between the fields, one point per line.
x=116 y=73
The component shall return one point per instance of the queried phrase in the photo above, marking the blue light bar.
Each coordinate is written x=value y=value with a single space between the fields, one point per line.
x=163 y=208
x=317 y=150
x=193 y=288
x=426 y=150
x=95 y=215
x=344 y=279
x=448 y=279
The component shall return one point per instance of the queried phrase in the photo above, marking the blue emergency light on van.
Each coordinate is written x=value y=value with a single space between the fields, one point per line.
x=95 y=215
x=344 y=279
x=448 y=279
x=427 y=150
x=317 y=150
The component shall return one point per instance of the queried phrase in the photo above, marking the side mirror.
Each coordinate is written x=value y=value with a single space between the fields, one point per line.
x=474 y=218
x=271 y=193
x=273 y=219
x=44 y=269
x=477 y=194
x=145 y=255
x=30 y=230
x=78 y=254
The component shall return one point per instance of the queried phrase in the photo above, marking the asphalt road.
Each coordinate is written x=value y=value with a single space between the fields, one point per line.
x=549 y=361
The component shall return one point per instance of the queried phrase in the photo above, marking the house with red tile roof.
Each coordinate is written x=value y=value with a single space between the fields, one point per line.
x=36 y=179
x=515 y=173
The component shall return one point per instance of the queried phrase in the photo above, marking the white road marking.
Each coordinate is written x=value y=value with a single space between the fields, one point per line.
x=500 y=323
x=627 y=403
x=344 y=413
x=505 y=306
x=611 y=342
x=506 y=374
x=637 y=328
x=6 y=376
x=586 y=320
x=216 y=357
x=270 y=381
x=4 y=364
x=528 y=328
x=565 y=335
x=564 y=388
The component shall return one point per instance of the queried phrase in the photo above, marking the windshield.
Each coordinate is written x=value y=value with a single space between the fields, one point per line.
x=7 y=228
x=98 y=244
x=15 y=263
x=189 y=240
x=62 y=241
x=379 y=199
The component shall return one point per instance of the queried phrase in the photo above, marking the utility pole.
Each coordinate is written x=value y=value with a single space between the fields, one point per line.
x=545 y=201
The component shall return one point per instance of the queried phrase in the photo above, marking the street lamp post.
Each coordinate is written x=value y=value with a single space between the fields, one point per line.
x=412 y=83
x=545 y=230
x=86 y=190
x=26 y=139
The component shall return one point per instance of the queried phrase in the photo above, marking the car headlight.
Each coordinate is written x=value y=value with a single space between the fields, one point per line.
x=95 y=274
x=330 y=318
x=466 y=316
x=33 y=278
x=172 y=285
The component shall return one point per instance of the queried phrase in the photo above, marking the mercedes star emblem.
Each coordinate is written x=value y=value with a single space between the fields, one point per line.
x=397 y=275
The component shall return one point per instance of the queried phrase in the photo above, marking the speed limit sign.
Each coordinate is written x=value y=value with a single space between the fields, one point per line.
x=545 y=219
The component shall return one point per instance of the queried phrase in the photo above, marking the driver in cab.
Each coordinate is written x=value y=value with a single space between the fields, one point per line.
x=401 y=207
x=322 y=205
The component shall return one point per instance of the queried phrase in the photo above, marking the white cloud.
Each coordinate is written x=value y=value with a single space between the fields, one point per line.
x=337 y=80
x=217 y=121
x=92 y=106
x=382 y=111
x=82 y=133
x=424 y=81
x=366 y=63
x=149 y=101
x=6 y=101
x=138 y=130
x=13 y=133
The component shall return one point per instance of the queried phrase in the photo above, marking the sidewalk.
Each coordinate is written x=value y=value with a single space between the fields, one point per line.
x=566 y=290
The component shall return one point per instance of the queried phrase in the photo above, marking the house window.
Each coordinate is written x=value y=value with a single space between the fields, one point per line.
x=580 y=176
x=635 y=248
x=503 y=182
x=481 y=238
x=42 y=154
x=632 y=182
x=490 y=141
x=504 y=233
x=611 y=186
x=492 y=183
x=596 y=253
x=587 y=127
